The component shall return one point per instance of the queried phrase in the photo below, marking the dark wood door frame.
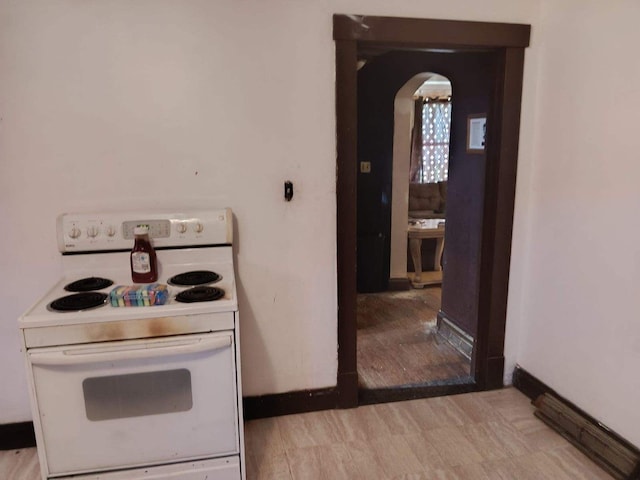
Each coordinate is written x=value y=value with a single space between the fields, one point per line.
x=356 y=33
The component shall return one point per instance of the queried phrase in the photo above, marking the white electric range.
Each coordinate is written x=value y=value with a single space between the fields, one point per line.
x=132 y=391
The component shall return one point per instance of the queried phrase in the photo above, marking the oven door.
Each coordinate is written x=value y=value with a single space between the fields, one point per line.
x=132 y=403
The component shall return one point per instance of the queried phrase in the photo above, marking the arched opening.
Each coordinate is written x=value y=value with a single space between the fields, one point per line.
x=420 y=156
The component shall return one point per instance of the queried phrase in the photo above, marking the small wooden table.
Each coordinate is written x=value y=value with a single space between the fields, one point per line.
x=417 y=231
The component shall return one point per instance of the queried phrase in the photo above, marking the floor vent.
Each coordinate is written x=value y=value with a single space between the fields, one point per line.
x=593 y=439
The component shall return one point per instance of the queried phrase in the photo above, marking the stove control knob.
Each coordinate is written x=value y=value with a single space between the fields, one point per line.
x=111 y=231
x=93 y=231
x=199 y=227
x=182 y=227
x=74 y=232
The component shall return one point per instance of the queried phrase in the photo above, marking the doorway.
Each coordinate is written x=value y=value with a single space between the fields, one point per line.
x=505 y=43
x=401 y=345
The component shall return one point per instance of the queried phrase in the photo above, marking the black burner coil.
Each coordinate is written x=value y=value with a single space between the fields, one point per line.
x=200 y=294
x=196 y=277
x=78 y=302
x=88 y=284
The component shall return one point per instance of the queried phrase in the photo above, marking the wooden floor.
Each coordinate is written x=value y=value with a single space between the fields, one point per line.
x=398 y=343
x=476 y=436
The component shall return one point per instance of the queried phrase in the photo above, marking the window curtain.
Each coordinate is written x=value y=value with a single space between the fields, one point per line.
x=416 y=165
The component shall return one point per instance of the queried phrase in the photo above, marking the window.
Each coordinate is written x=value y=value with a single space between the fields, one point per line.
x=431 y=130
x=137 y=394
x=436 y=127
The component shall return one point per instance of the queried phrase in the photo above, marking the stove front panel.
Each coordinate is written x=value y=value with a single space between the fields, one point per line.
x=72 y=334
x=118 y=405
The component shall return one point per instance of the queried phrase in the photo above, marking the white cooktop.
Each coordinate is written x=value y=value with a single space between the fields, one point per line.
x=115 y=266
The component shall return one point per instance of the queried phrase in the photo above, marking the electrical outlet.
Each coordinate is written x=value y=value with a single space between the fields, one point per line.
x=365 y=167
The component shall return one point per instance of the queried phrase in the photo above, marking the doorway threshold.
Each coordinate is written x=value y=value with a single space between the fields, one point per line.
x=439 y=388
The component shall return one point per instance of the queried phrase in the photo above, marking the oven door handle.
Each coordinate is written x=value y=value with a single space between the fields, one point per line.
x=130 y=352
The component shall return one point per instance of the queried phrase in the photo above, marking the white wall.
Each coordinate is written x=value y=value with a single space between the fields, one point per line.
x=403 y=113
x=580 y=328
x=143 y=103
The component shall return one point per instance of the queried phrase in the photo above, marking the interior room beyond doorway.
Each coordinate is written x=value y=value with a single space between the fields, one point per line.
x=399 y=344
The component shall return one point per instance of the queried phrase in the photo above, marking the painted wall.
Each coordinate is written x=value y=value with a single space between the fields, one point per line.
x=403 y=122
x=157 y=103
x=580 y=330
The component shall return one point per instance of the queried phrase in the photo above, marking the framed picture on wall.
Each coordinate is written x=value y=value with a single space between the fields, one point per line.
x=476 y=132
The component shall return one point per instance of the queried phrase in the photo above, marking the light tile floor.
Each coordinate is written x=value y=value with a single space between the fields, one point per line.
x=476 y=436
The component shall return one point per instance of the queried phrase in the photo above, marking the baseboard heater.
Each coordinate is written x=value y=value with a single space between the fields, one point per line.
x=594 y=440
x=458 y=338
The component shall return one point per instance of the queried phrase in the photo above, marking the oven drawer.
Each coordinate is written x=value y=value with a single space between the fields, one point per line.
x=136 y=403
x=217 y=469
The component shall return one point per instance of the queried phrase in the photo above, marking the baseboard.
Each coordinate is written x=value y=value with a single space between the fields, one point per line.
x=460 y=340
x=612 y=452
x=21 y=435
x=399 y=284
x=17 y=435
x=495 y=378
x=528 y=384
x=347 y=390
x=290 y=402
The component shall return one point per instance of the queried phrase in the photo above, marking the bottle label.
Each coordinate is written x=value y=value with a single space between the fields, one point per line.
x=141 y=262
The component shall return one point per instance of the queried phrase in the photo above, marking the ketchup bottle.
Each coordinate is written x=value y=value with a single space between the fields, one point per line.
x=144 y=266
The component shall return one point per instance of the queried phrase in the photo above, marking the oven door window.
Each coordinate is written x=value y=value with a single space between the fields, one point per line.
x=137 y=394
x=137 y=402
